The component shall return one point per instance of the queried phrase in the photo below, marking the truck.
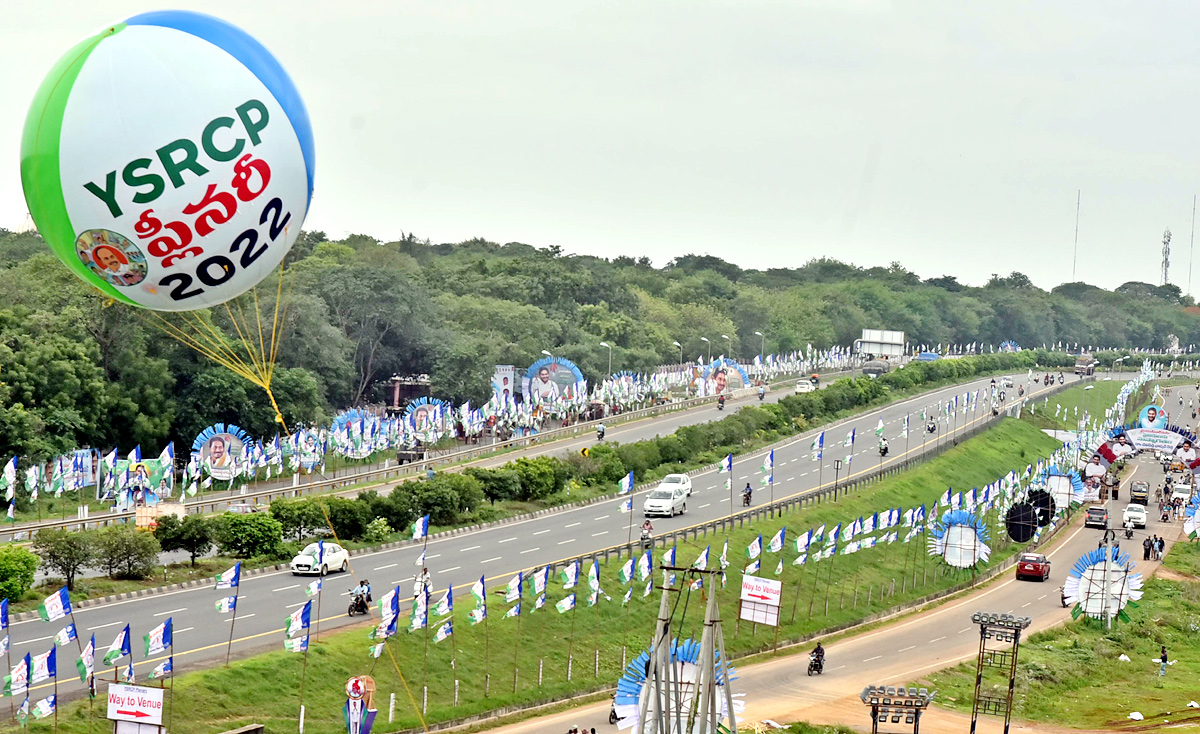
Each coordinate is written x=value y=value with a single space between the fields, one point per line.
x=1085 y=364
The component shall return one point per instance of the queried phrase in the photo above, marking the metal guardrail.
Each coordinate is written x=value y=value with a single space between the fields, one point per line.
x=210 y=503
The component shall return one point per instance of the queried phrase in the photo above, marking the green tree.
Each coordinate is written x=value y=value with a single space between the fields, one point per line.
x=65 y=553
x=17 y=569
x=193 y=534
x=124 y=552
x=248 y=536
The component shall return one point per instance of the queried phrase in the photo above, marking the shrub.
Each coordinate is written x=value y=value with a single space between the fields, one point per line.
x=377 y=531
x=299 y=517
x=17 y=568
x=537 y=476
x=446 y=497
x=193 y=534
x=124 y=552
x=64 y=553
x=497 y=484
x=347 y=518
x=245 y=536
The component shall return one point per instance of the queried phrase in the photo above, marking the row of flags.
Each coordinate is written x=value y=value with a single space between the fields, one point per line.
x=33 y=669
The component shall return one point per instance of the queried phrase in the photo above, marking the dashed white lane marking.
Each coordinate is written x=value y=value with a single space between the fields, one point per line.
x=508 y=540
x=390 y=565
x=293 y=606
x=171 y=611
x=936 y=639
x=568 y=540
x=448 y=570
x=282 y=588
x=542 y=532
x=185 y=629
x=572 y=525
x=867 y=660
x=491 y=559
x=531 y=550
x=597 y=535
x=968 y=629
x=244 y=616
x=102 y=626
x=703 y=506
x=1026 y=604
x=910 y=647
x=470 y=548
x=602 y=517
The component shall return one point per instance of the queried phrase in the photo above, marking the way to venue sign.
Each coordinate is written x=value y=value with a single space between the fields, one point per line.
x=135 y=703
x=760 y=600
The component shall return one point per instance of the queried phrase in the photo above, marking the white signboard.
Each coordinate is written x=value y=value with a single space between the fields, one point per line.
x=881 y=343
x=135 y=703
x=762 y=591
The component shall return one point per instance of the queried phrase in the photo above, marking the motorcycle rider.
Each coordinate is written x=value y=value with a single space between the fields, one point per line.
x=819 y=654
x=883 y=446
x=647 y=528
x=762 y=392
x=746 y=494
x=600 y=431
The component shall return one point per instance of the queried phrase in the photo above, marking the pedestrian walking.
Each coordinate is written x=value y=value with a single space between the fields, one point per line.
x=1162 y=547
x=1146 y=549
x=1154 y=547
x=1162 y=663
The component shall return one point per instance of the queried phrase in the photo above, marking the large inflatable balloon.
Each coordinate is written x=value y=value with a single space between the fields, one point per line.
x=168 y=161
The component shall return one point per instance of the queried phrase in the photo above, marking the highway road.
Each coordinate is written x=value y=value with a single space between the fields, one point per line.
x=498 y=552
x=910 y=648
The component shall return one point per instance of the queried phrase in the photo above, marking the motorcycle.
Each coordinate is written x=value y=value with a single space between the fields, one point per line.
x=358 y=604
x=599 y=434
x=745 y=499
x=647 y=539
x=721 y=403
x=762 y=396
x=815 y=664
x=883 y=451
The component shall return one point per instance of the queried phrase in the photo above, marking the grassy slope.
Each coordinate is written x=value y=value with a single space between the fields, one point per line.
x=1096 y=400
x=1072 y=674
x=215 y=700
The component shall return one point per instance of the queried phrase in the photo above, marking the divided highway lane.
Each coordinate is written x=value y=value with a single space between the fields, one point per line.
x=498 y=552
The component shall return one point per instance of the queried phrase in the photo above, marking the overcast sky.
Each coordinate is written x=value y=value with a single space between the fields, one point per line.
x=951 y=137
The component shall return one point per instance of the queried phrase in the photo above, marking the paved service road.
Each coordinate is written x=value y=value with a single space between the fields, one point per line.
x=498 y=552
x=912 y=647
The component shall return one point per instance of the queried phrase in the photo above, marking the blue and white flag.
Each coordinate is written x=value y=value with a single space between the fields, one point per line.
x=669 y=557
x=755 y=548
x=3 y=614
x=849 y=442
x=86 y=664
x=229 y=579
x=420 y=528
x=297 y=620
x=724 y=559
x=701 y=563
x=44 y=666
x=313 y=588
x=626 y=484
x=56 y=606
x=515 y=588
x=645 y=566
x=228 y=604
x=566 y=604
x=776 y=543
x=119 y=647
x=768 y=464
x=818 y=446
x=44 y=708
x=159 y=639
x=444 y=631
x=445 y=605
x=727 y=464
x=300 y=644
x=163 y=668
x=65 y=635
x=802 y=541
x=626 y=505
x=753 y=567
x=17 y=681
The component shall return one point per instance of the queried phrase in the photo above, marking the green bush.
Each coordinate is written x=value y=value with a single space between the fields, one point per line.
x=497 y=484
x=193 y=534
x=347 y=518
x=124 y=552
x=298 y=517
x=377 y=531
x=539 y=476
x=246 y=536
x=64 y=552
x=17 y=568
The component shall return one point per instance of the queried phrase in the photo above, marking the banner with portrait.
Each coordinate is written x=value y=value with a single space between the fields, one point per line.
x=504 y=382
x=724 y=376
x=551 y=378
x=220 y=448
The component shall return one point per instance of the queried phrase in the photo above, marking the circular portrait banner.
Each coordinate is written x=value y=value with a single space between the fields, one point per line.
x=220 y=447
x=1153 y=416
x=551 y=378
x=724 y=376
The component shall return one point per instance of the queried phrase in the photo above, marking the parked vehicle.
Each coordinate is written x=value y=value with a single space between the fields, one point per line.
x=1033 y=566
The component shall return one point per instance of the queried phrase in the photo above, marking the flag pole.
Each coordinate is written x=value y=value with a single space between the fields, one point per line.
x=487 y=673
x=425 y=669
x=320 y=592
x=171 y=653
x=55 y=691
x=232 y=621
x=303 y=676
x=12 y=707
x=517 y=651
x=571 y=640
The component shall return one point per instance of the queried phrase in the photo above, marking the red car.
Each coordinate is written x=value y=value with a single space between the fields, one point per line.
x=1033 y=566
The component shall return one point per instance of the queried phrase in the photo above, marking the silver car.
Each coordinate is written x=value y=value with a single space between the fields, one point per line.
x=668 y=502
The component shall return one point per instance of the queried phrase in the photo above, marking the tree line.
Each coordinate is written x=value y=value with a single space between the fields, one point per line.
x=76 y=370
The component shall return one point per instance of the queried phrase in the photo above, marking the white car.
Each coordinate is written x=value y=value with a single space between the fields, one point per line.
x=1134 y=513
x=804 y=386
x=336 y=558
x=675 y=481
x=668 y=502
x=1181 y=491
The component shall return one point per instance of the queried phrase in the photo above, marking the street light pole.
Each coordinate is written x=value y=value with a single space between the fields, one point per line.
x=680 y=351
x=762 y=346
x=706 y=341
x=726 y=338
x=605 y=344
